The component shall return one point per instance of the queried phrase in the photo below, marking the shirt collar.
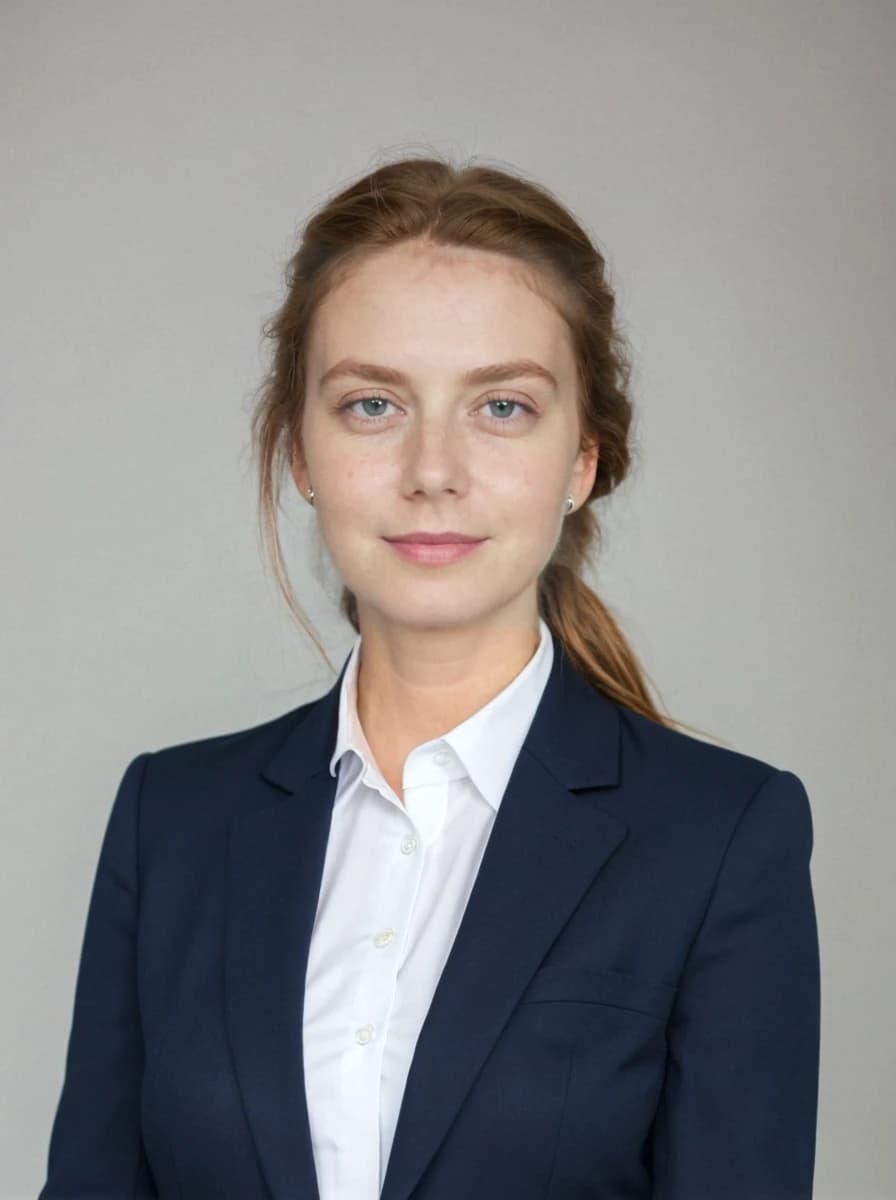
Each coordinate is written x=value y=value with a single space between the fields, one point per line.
x=485 y=746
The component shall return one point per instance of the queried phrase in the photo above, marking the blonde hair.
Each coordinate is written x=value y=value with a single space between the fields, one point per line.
x=482 y=207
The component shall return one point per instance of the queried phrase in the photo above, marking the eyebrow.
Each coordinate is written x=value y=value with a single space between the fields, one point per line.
x=493 y=373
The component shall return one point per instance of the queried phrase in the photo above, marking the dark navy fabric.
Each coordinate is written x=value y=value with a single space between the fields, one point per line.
x=630 y=1009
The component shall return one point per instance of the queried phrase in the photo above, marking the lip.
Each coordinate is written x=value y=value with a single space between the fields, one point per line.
x=435 y=553
x=421 y=538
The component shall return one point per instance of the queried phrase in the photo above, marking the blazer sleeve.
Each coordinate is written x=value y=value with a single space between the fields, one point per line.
x=95 y=1147
x=737 y=1115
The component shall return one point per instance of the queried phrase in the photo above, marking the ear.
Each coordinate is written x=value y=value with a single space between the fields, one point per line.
x=298 y=469
x=584 y=472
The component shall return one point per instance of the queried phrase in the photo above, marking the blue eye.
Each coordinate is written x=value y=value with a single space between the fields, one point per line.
x=508 y=400
x=374 y=419
x=369 y=400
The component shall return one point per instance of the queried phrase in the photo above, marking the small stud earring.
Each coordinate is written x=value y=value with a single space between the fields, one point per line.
x=311 y=496
x=570 y=504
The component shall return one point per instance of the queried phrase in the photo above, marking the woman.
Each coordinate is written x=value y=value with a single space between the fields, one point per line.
x=479 y=921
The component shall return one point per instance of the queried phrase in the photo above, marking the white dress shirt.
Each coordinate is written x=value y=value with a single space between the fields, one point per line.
x=395 y=884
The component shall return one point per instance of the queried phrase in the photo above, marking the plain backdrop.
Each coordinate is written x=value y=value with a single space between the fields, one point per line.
x=735 y=163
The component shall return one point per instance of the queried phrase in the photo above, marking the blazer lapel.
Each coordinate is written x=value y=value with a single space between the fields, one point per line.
x=276 y=864
x=548 y=843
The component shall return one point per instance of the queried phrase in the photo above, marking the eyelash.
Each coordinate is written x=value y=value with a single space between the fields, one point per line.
x=349 y=404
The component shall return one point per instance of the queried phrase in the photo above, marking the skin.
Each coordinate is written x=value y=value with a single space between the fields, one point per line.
x=439 y=642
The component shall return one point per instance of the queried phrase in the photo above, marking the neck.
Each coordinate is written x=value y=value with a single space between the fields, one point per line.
x=415 y=687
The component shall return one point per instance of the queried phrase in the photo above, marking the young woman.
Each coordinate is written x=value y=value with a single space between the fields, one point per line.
x=479 y=921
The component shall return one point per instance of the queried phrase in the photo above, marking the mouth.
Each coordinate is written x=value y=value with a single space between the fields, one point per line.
x=422 y=537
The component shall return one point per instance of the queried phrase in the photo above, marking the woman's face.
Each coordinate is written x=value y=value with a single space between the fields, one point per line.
x=425 y=449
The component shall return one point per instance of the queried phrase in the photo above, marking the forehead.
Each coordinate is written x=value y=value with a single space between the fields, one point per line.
x=439 y=302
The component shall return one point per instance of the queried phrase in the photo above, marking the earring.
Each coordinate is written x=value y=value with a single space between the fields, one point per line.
x=311 y=496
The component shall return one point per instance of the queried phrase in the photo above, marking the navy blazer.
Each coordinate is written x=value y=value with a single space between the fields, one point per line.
x=630 y=1008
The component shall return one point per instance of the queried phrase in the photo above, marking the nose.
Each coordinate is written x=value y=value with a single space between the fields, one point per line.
x=434 y=457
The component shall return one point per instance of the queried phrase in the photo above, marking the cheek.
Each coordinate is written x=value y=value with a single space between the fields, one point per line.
x=355 y=485
x=536 y=519
x=535 y=498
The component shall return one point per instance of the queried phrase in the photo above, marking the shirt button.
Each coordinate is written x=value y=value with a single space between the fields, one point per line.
x=408 y=844
x=384 y=938
x=364 y=1035
x=441 y=757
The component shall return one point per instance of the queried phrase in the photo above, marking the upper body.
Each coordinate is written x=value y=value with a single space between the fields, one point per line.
x=482 y=923
x=628 y=1006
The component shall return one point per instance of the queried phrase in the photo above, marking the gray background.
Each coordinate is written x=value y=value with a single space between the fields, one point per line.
x=735 y=161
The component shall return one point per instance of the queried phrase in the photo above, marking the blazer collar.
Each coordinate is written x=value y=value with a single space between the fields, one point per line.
x=550 y=839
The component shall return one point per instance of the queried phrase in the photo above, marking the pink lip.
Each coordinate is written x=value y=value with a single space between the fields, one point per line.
x=435 y=552
x=420 y=536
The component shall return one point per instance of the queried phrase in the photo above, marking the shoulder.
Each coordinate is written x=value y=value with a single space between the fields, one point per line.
x=209 y=779
x=241 y=750
x=182 y=798
x=647 y=743
x=699 y=786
